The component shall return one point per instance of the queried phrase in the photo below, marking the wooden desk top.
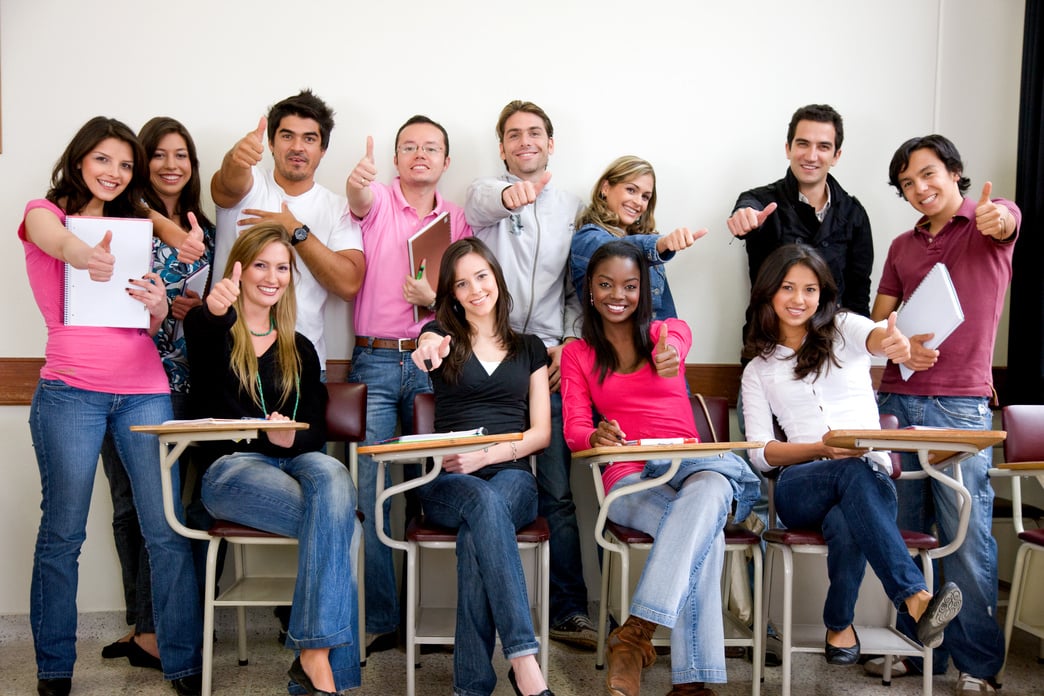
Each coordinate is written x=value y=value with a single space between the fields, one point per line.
x=621 y=451
x=217 y=426
x=439 y=443
x=910 y=439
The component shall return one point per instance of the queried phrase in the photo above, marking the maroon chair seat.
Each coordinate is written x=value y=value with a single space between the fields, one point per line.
x=420 y=531
x=1033 y=536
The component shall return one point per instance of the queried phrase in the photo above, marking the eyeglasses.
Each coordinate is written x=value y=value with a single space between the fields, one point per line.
x=410 y=149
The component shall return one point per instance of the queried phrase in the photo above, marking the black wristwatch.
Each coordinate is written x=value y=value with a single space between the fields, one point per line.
x=299 y=235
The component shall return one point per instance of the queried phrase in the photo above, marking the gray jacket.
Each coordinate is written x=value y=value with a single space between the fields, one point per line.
x=532 y=245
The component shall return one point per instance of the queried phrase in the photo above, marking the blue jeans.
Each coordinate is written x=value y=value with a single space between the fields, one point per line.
x=680 y=584
x=974 y=639
x=855 y=506
x=67 y=426
x=491 y=586
x=392 y=381
x=309 y=497
x=568 y=591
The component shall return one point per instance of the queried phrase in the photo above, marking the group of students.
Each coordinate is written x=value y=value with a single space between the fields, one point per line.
x=243 y=355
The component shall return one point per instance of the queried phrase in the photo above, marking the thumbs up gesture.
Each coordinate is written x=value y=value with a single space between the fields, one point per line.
x=991 y=219
x=251 y=147
x=225 y=293
x=665 y=357
x=100 y=263
x=193 y=248
x=365 y=171
x=744 y=220
x=894 y=345
x=431 y=350
x=523 y=192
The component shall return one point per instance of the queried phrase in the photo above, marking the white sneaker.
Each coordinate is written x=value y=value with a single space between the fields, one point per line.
x=968 y=685
x=875 y=667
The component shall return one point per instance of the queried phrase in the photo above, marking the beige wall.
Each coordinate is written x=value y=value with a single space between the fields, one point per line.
x=703 y=90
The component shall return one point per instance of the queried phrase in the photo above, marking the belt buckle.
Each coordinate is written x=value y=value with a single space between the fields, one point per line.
x=399 y=341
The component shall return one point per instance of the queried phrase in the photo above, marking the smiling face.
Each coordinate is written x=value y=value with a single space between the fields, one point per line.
x=107 y=169
x=812 y=152
x=475 y=286
x=427 y=161
x=297 y=149
x=796 y=300
x=930 y=187
x=264 y=280
x=526 y=146
x=616 y=289
x=627 y=200
x=170 y=168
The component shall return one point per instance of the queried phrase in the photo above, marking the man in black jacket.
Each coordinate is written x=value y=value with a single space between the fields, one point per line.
x=809 y=206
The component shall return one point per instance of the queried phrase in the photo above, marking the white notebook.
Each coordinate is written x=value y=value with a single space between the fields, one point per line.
x=91 y=303
x=932 y=308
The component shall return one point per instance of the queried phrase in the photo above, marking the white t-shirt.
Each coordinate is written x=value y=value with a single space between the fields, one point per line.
x=325 y=213
x=840 y=398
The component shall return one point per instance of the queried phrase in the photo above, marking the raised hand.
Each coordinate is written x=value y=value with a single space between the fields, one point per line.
x=746 y=219
x=523 y=192
x=224 y=294
x=284 y=217
x=921 y=357
x=665 y=357
x=101 y=262
x=679 y=239
x=430 y=353
x=365 y=171
x=180 y=305
x=251 y=147
x=991 y=219
x=193 y=248
x=895 y=345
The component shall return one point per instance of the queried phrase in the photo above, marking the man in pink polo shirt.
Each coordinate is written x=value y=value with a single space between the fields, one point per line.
x=952 y=386
x=385 y=330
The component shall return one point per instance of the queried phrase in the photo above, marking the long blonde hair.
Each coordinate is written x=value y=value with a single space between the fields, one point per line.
x=620 y=170
x=284 y=316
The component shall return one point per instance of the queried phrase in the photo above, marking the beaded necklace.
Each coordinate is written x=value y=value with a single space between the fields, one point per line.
x=271 y=328
x=297 y=396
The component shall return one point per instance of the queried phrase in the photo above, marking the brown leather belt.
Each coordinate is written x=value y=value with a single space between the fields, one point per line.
x=403 y=345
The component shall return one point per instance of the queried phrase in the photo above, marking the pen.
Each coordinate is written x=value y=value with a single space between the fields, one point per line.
x=420 y=271
x=606 y=421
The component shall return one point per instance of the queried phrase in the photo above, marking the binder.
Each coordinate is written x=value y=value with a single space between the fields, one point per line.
x=91 y=303
x=429 y=244
x=932 y=308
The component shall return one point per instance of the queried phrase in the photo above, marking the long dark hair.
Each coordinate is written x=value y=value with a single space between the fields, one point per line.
x=593 y=332
x=450 y=314
x=188 y=200
x=763 y=330
x=68 y=189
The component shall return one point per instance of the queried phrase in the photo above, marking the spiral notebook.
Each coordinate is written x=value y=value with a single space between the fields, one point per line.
x=91 y=303
x=932 y=308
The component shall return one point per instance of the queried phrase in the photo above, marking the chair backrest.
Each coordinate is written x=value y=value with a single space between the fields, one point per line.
x=1025 y=426
x=346 y=412
x=712 y=417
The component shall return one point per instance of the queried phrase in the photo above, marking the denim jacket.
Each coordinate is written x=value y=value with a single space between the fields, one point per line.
x=587 y=240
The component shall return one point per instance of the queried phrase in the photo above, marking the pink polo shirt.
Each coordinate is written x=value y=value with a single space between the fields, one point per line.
x=380 y=310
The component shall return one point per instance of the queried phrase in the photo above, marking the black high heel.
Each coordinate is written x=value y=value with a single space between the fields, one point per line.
x=518 y=691
x=297 y=673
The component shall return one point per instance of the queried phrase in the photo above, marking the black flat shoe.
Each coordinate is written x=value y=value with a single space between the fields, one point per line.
x=842 y=656
x=191 y=685
x=114 y=650
x=514 y=685
x=54 y=687
x=945 y=605
x=137 y=656
x=297 y=673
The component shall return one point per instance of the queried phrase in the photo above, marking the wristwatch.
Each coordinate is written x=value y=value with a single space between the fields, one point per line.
x=299 y=235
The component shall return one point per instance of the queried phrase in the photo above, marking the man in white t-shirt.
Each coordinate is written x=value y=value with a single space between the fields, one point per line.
x=327 y=241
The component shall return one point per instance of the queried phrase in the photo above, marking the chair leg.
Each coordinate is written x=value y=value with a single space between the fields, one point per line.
x=411 y=620
x=544 y=599
x=1014 y=600
x=758 y=660
x=788 y=617
x=603 y=609
x=208 y=616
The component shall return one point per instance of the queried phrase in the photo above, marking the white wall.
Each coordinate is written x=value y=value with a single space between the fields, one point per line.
x=702 y=90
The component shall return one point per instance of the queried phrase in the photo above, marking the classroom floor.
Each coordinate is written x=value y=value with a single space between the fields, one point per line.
x=572 y=672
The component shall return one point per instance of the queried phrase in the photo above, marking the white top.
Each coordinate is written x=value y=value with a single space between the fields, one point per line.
x=839 y=398
x=325 y=213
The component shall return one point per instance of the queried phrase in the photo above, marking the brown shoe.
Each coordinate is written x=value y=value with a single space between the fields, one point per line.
x=629 y=651
x=691 y=689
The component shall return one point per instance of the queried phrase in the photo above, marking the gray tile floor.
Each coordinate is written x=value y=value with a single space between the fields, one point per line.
x=572 y=672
